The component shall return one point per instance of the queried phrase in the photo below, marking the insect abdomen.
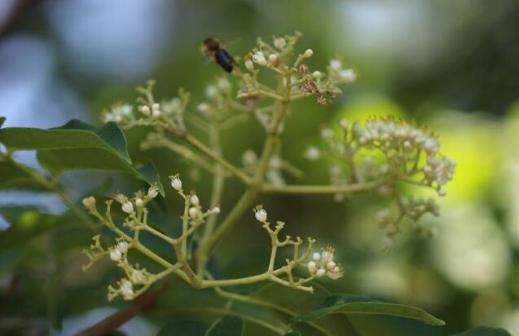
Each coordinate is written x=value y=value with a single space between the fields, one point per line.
x=224 y=59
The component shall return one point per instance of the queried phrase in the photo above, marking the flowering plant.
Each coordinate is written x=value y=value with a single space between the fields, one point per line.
x=381 y=156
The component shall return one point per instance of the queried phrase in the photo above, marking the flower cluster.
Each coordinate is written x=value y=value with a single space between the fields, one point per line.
x=302 y=81
x=320 y=264
x=323 y=264
x=408 y=152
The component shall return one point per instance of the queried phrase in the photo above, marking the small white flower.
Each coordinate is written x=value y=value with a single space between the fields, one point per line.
x=313 y=153
x=203 y=107
x=145 y=109
x=331 y=265
x=89 y=202
x=211 y=91
x=115 y=255
x=280 y=43
x=155 y=113
x=137 y=277
x=431 y=145
x=312 y=267
x=249 y=65
x=223 y=84
x=344 y=124
x=176 y=182
x=139 y=203
x=320 y=272
x=126 y=289
x=316 y=256
x=194 y=200
x=335 y=65
x=259 y=58
x=215 y=210
x=348 y=75
x=127 y=207
x=153 y=191
x=308 y=53
x=193 y=212
x=122 y=246
x=249 y=158
x=326 y=133
x=317 y=74
x=261 y=215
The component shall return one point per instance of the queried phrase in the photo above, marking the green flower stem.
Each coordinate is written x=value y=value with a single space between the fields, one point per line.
x=217 y=158
x=216 y=196
x=54 y=187
x=256 y=184
x=325 y=189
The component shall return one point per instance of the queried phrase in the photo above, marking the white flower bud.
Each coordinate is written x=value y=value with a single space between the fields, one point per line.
x=115 y=255
x=193 y=212
x=194 y=200
x=139 y=203
x=211 y=91
x=249 y=65
x=280 y=43
x=261 y=215
x=431 y=145
x=273 y=59
x=137 y=277
x=313 y=153
x=335 y=64
x=153 y=192
x=326 y=133
x=215 y=210
x=122 y=246
x=176 y=183
x=348 y=75
x=320 y=272
x=317 y=74
x=145 y=109
x=155 y=113
x=89 y=202
x=127 y=207
x=203 y=107
x=308 y=53
x=331 y=265
x=259 y=58
x=344 y=124
x=312 y=267
x=223 y=84
x=126 y=289
x=316 y=256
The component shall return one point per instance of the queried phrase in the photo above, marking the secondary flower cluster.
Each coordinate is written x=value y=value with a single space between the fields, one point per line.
x=279 y=57
x=323 y=264
x=386 y=146
x=320 y=264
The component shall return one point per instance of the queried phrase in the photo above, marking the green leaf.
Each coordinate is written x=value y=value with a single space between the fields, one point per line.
x=26 y=223
x=351 y=304
x=227 y=326
x=184 y=328
x=484 y=331
x=293 y=333
x=13 y=176
x=78 y=146
x=2 y=120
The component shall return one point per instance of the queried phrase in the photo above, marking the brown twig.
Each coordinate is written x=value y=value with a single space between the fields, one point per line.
x=143 y=303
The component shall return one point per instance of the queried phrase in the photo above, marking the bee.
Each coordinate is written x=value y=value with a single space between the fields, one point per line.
x=212 y=48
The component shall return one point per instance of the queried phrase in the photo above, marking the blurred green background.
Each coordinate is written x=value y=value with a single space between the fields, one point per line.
x=452 y=66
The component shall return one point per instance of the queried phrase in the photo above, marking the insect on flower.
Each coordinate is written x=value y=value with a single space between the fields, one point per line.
x=212 y=48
